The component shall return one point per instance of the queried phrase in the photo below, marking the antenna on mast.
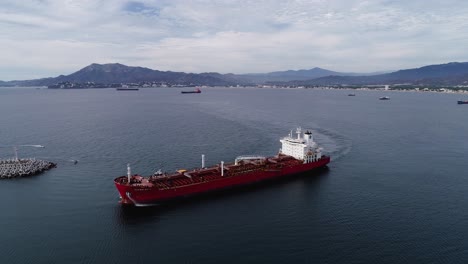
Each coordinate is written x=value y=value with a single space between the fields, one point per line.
x=129 y=172
x=15 y=149
x=222 y=168
x=298 y=132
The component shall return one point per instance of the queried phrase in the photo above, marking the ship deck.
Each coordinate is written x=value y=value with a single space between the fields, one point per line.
x=184 y=178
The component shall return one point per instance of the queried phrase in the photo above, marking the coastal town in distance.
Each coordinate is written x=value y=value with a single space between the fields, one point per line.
x=397 y=87
x=444 y=78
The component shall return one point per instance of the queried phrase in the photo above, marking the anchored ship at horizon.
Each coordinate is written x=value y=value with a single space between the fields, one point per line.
x=196 y=91
x=297 y=155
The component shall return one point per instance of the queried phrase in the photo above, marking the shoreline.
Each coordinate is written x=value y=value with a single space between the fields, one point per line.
x=366 y=89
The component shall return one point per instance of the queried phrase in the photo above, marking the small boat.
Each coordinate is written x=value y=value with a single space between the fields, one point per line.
x=462 y=102
x=384 y=98
x=351 y=94
x=189 y=92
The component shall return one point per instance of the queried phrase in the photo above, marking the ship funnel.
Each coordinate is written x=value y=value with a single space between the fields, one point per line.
x=308 y=136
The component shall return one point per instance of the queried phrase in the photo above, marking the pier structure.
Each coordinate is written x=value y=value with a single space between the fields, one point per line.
x=16 y=167
x=12 y=168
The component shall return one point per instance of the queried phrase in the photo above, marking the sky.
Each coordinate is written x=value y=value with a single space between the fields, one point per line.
x=46 y=38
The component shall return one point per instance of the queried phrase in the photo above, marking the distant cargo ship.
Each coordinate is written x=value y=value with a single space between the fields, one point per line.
x=127 y=89
x=297 y=155
x=190 y=92
x=462 y=102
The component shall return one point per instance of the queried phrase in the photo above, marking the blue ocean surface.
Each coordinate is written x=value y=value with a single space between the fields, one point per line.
x=395 y=191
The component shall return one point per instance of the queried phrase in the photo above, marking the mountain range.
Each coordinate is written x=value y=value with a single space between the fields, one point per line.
x=443 y=74
x=454 y=73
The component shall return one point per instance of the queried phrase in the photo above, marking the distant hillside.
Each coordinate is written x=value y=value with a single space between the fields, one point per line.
x=442 y=74
x=119 y=73
x=115 y=73
x=289 y=75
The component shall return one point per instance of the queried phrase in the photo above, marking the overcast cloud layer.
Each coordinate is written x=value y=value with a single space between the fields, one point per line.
x=42 y=38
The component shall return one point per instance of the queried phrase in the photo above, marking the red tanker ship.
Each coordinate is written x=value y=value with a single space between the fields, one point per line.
x=298 y=154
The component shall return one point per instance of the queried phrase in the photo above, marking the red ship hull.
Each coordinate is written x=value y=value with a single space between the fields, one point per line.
x=156 y=189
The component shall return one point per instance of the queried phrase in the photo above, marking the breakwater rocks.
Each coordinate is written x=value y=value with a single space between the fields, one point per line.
x=13 y=168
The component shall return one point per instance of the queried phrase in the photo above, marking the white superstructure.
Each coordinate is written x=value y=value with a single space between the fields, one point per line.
x=302 y=147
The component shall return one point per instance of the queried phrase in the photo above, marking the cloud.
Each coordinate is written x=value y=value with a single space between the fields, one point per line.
x=52 y=37
x=140 y=9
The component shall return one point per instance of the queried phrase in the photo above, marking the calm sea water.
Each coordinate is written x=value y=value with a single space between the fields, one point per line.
x=395 y=191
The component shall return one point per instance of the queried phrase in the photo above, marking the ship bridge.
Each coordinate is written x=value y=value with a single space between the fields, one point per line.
x=302 y=147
